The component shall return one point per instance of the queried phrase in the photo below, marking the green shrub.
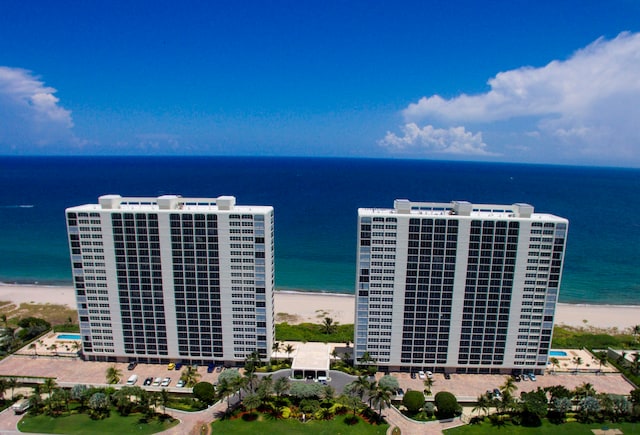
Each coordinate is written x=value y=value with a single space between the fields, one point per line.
x=413 y=401
x=446 y=404
x=205 y=392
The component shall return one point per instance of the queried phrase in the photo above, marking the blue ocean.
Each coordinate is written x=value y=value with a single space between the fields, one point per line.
x=316 y=202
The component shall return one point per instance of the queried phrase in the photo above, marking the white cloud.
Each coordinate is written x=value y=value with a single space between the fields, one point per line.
x=454 y=140
x=586 y=106
x=30 y=112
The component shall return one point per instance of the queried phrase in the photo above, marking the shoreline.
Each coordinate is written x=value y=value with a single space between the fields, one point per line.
x=297 y=306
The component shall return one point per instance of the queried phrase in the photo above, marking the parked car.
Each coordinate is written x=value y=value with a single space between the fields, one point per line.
x=525 y=377
x=21 y=406
x=413 y=375
x=517 y=378
x=496 y=394
x=132 y=380
x=210 y=368
x=148 y=381
x=421 y=374
x=219 y=369
x=429 y=374
x=156 y=382
x=180 y=383
x=447 y=376
x=165 y=382
x=399 y=392
x=132 y=365
x=532 y=377
x=178 y=366
x=171 y=366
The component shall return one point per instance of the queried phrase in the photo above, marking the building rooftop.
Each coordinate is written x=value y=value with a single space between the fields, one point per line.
x=169 y=203
x=460 y=208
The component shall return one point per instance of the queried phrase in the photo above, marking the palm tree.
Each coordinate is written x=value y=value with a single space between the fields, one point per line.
x=555 y=363
x=33 y=347
x=289 y=349
x=635 y=364
x=483 y=403
x=635 y=331
x=281 y=386
x=428 y=383
x=251 y=402
x=49 y=385
x=334 y=353
x=113 y=375
x=276 y=347
x=76 y=346
x=381 y=398
x=164 y=399
x=328 y=325
x=54 y=348
x=509 y=386
x=190 y=376
x=12 y=383
x=584 y=390
x=3 y=386
x=577 y=361
x=602 y=358
x=225 y=390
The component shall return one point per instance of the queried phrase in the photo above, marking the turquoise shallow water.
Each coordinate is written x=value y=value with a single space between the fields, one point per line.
x=316 y=202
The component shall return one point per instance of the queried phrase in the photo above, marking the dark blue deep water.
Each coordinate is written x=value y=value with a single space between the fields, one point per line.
x=316 y=202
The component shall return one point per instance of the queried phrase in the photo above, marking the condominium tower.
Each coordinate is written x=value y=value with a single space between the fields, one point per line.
x=458 y=287
x=173 y=279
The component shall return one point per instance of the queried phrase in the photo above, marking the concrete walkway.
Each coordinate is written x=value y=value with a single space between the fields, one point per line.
x=412 y=427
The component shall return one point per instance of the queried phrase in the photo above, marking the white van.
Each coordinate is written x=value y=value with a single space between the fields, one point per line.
x=132 y=380
x=21 y=406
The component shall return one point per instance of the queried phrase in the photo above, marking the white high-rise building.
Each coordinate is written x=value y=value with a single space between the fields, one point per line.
x=173 y=279
x=459 y=287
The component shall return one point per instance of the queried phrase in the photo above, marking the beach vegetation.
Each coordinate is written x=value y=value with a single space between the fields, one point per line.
x=312 y=332
x=567 y=337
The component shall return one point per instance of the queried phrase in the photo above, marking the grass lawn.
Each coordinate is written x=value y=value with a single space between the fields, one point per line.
x=546 y=428
x=81 y=424
x=265 y=424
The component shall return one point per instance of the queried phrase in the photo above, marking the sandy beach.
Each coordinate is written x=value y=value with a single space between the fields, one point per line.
x=297 y=307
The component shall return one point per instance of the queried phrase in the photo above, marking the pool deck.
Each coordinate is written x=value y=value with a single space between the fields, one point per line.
x=50 y=345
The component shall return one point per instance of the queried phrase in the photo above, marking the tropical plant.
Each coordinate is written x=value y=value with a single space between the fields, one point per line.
x=275 y=348
x=533 y=406
x=281 y=386
x=509 y=386
x=555 y=363
x=190 y=376
x=12 y=383
x=303 y=390
x=601 y=357
x=49 y=385
x=584 y=390
x=389 y=382
x=328 y=325
x=99 y=405
x=562 y=405
x=265 y=387
x=428 y=383
x=577 y=361
x=483 y=403
x=588 y=407
x=289 y=349
x=251 y=401
x=113 y=375
x=381 y=398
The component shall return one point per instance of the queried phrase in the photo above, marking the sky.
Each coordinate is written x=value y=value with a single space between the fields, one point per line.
x=504 y=81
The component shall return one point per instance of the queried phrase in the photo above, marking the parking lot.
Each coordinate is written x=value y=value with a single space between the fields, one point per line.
x=469 y=387
x=71 y=371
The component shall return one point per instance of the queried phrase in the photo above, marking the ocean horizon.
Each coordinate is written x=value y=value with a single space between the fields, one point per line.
x=316 y=201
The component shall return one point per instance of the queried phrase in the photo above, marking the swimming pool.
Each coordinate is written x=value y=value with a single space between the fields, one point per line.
x=557 y=353
x=68 y=337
